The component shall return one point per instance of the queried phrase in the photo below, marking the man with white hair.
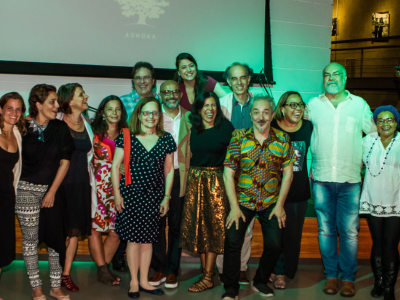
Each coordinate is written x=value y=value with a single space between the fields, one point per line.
x=338 y=118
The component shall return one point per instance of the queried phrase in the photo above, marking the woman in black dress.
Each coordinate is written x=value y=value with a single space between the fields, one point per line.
x=142 y=194
x=46 y=151
x=77 y=185
x=12 y=126
x=206 y=204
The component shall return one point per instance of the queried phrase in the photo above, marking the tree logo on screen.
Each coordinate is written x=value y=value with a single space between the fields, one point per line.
x=151 y=9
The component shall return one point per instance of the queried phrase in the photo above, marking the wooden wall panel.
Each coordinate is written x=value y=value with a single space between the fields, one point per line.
x=309 y=244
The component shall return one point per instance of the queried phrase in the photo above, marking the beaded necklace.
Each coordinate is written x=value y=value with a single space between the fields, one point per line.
x=386 y=155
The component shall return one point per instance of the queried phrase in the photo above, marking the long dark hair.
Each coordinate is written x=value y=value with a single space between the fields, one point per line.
x=195 y=117
x=99 y=125
x=21 y=122
x=200 y=80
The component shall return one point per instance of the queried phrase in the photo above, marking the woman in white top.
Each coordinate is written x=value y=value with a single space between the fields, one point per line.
x=380 y=198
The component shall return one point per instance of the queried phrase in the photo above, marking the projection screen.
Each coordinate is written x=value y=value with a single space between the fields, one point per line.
x=78 y=36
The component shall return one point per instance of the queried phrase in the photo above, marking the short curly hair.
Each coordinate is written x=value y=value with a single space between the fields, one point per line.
x=65 y=95
x=38 y=94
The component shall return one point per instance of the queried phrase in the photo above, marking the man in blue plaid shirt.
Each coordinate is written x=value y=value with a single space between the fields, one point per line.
x=143 y=81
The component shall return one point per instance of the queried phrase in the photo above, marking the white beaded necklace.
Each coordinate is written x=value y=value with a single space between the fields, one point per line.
x=386 y=155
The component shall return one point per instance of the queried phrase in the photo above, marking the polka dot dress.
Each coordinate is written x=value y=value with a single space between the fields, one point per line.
x=140 y=219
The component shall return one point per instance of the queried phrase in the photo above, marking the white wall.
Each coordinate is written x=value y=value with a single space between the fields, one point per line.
x=301 y=42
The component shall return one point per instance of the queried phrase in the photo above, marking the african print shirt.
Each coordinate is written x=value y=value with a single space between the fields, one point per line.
x=259 y=167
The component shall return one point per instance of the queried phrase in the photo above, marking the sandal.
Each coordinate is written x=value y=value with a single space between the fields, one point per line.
x=67 y=282
x=104 y=276
x=201 y=284
x=272 y=277
x=116 y=277
x=279 y=282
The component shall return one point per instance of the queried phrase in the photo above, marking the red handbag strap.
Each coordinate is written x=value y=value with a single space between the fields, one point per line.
x=127 y=155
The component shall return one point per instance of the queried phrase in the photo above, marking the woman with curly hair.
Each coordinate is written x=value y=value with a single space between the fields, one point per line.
x=206 y=204
x=12 y=126
x=192 y=81
x=46 y=152
x=108 y=123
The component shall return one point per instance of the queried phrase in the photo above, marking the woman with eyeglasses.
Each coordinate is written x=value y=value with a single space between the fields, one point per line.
x=46 y=155
x=380 y=198
x=192 y=81
x=142 y=194
x=289 y=118
x=79 y=185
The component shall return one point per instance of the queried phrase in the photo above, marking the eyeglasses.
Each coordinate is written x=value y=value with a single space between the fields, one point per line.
x=294 y=105
x=142 y=78
x=155 y=114
x=334 y=74
x=169 y=93
x=388 y=121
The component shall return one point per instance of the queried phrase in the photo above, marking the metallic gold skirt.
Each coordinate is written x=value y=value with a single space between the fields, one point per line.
x=204 y=211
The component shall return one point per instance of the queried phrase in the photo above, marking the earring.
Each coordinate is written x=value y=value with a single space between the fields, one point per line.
x=283 y=114
x=104 y=118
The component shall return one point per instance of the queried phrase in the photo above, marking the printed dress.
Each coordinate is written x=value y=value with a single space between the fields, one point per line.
x=104 y=219
x=139 y=221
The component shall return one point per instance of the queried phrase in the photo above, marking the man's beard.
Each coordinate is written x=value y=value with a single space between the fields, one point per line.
x=170 y=105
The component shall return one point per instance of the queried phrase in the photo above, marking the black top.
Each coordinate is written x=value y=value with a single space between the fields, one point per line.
x=209 y=147
x=300 y=187
x=40 y=160
x=7 y=164
x=78 y=167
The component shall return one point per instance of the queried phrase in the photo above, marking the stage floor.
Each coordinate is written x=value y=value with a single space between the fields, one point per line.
x=307 y=285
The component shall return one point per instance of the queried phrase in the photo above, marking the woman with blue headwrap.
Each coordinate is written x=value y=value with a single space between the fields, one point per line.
x=380 y=198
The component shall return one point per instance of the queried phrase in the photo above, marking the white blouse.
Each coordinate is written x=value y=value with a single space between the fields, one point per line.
x=381 y=194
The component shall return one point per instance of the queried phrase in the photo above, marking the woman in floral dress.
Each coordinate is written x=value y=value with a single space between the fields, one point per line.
x=109 y=120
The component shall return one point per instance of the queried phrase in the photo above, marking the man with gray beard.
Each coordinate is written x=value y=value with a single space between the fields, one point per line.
x=338 y=118
x=176 y=122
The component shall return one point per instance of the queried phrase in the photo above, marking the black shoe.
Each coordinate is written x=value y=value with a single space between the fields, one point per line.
x=119 y=264
x=389 y=279
x=263 y=289
x=376 y=264
x=152 y=292
x=133 y=295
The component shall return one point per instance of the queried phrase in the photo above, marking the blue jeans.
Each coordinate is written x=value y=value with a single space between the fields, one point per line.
x=337 y=206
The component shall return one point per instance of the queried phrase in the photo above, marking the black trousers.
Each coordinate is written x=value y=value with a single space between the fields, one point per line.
x=385 y=232
x=163 y=261
x=272 y=236
x=291 y=243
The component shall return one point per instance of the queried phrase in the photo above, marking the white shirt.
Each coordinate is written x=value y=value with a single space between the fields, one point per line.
x=172 y=126
x=336 y=141
x=381 y=194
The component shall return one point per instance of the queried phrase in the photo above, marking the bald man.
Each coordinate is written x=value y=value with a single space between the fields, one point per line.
x=336 y=148
x=176 y=122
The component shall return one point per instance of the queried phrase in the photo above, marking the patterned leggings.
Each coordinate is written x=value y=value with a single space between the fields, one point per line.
x=28 y=203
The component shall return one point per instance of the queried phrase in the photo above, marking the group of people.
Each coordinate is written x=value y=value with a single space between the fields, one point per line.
x=206 y=163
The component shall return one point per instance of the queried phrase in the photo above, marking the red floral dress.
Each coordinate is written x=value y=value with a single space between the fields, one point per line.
x=104 y=219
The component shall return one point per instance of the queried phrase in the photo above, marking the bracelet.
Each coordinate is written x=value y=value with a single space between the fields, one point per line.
x=167 y=196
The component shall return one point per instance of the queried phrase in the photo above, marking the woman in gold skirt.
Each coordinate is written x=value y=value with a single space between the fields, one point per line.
x=206 y=204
